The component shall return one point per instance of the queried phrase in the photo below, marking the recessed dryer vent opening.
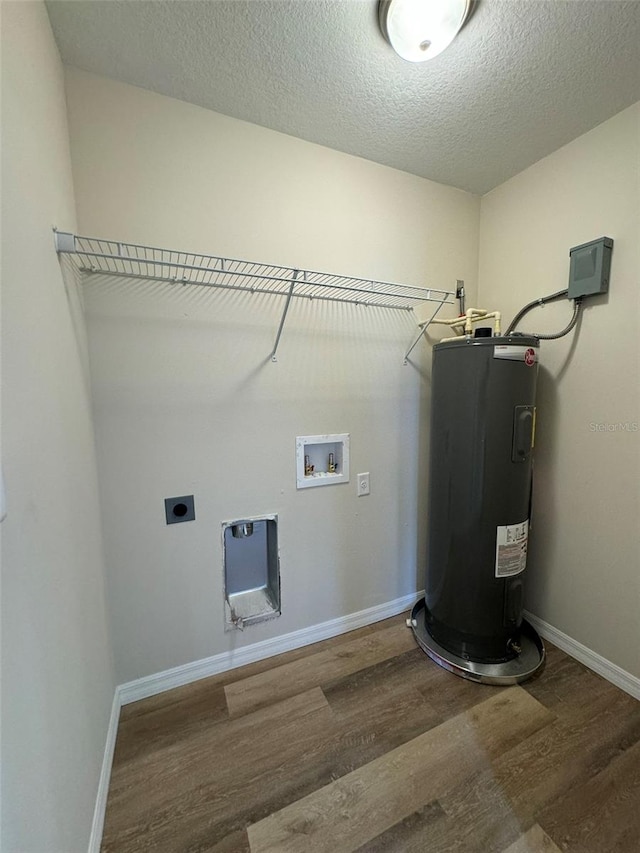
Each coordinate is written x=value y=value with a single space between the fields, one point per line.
x=251 y=570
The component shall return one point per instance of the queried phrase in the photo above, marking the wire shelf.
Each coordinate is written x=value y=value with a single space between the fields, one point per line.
x=131 y=260
x=94 y=255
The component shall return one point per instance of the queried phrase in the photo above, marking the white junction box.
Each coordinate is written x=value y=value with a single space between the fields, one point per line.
x=322 y=460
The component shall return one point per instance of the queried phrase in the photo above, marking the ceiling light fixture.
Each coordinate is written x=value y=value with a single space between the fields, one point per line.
x=420 y=29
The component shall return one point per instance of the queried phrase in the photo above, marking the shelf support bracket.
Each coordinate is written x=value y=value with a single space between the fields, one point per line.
x=65 y=243
x=423 y=328
x=284 y=315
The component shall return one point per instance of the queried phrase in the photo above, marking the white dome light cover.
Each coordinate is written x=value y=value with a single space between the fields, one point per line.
x=420 y=29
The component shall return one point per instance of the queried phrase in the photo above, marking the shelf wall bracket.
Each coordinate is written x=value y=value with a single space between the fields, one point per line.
x=284 y=315
x=423 y=329
x=65 y=243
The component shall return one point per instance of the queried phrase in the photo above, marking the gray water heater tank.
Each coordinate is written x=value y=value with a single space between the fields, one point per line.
x=482 y=435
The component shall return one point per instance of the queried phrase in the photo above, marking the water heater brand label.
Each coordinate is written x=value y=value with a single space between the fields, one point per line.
x=516 y=353
x=511 y=549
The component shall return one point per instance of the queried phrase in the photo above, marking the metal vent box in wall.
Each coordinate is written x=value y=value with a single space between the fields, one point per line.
x=251 y=570
x=322 y=460
x=589 y=268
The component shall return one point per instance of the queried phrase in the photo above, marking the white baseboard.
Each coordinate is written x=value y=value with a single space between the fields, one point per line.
x=95 y=839
x=142 y=688
x=613 y=673
x=151 y=685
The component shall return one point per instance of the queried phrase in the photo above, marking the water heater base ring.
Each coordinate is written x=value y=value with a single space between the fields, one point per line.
x=529 y=661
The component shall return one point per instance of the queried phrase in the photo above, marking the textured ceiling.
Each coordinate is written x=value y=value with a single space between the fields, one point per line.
x=523 y=77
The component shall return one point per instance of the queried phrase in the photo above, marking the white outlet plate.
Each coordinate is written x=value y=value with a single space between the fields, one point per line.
x=363 y=484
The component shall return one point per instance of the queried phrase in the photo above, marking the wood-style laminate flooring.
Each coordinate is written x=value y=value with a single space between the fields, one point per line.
x=361 y=743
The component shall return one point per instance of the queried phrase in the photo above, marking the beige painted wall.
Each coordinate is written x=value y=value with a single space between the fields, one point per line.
x=585 y=549
x=57 y=674
x=185 y=400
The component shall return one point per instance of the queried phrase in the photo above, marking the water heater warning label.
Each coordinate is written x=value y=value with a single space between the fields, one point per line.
x=511 y=549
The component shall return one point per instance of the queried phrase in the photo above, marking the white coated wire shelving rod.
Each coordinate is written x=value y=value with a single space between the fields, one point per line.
x=423 y=330
x=131 y=260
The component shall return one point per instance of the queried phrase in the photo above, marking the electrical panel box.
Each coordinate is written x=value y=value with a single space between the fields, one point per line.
x=589 y=268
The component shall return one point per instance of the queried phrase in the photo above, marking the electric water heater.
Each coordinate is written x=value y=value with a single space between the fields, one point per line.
x=483 y=416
